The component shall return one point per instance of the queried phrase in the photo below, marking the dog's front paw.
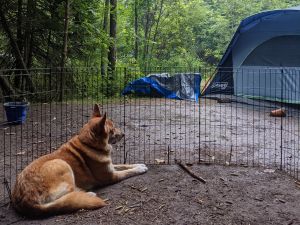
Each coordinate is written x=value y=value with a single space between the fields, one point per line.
x=141 y=168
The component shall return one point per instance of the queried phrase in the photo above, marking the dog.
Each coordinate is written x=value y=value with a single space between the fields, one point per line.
x=58 y=182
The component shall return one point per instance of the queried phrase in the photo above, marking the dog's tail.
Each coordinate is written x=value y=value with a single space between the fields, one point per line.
x=68 y=203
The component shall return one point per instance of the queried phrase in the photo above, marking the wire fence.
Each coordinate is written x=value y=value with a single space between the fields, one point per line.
x=162 y=117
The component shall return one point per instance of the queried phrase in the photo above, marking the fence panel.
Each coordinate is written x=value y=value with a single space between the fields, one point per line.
x=229 y=128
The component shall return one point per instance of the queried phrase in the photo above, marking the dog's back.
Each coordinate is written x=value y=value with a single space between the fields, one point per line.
x=47 y=186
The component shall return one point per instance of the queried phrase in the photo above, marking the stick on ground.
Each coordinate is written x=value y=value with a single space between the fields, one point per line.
x=186 y=169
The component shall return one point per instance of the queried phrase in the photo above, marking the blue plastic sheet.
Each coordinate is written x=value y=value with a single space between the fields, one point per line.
x=183 y=86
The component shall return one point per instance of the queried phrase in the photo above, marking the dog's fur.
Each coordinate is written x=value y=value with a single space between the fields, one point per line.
x=56 y=183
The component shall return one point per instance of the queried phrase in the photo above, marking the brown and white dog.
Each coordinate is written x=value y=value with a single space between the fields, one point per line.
x=56 y=183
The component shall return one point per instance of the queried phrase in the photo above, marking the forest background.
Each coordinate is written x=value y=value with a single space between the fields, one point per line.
x=116 y=33
x=119 y=33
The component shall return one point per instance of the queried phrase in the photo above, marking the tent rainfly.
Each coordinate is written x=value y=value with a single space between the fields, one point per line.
x=263 y=59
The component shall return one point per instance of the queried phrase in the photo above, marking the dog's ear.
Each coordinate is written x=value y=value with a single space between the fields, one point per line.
x=100 y=126
x=96 y=112
x=102 y=121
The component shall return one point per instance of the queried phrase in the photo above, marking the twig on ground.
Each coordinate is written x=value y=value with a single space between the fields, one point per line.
x=186 y=169
x=230 y=155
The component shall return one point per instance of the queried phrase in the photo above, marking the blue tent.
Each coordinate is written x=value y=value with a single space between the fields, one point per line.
x=263 y=58
x=178 y=86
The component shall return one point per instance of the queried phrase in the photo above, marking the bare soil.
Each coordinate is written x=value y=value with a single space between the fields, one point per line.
x=168 y=195
x=162 y=130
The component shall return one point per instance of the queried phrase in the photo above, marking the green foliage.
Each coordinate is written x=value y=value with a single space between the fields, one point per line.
x=192 y=33
x=187 y=33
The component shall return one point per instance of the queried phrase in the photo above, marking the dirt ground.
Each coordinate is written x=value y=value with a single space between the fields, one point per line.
x=160 y=129
x=165 y=130
x=168 y=195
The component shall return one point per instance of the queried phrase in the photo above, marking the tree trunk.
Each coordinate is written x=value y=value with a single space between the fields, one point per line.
x=146 y=32
x=16 y=50
x=65 y=49
x=28 y=36
x=7 y=89
x=65 y=41
x=27 y=40
x=48 y=60
x=18 y=77
x=113 y=35
x=52 y=9
x=156 y=30
x=105 y=30
x=136 y=29
x=19 y=33
x=12 y=41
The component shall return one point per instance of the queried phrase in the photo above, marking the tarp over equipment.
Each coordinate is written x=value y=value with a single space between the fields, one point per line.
x=178 y=86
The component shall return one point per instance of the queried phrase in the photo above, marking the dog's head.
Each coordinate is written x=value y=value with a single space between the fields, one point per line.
x=100 y=130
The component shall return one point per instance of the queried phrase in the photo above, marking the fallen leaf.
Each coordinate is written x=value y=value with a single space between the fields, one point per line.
x=21 y=153
x=136 y=205
x=160 y=207
x=119 y=207
x=144 y=189
x=269 y=171
x=199 y=200
x=160 y=161
x=133 y=187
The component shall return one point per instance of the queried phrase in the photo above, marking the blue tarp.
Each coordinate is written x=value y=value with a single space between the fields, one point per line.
x=178 y=86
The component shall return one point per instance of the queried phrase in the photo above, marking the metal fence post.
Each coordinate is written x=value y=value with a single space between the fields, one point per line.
x=281 y=127
x=124 y=117
x=199 y=115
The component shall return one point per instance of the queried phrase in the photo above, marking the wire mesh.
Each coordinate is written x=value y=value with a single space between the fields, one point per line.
x=224 y=128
